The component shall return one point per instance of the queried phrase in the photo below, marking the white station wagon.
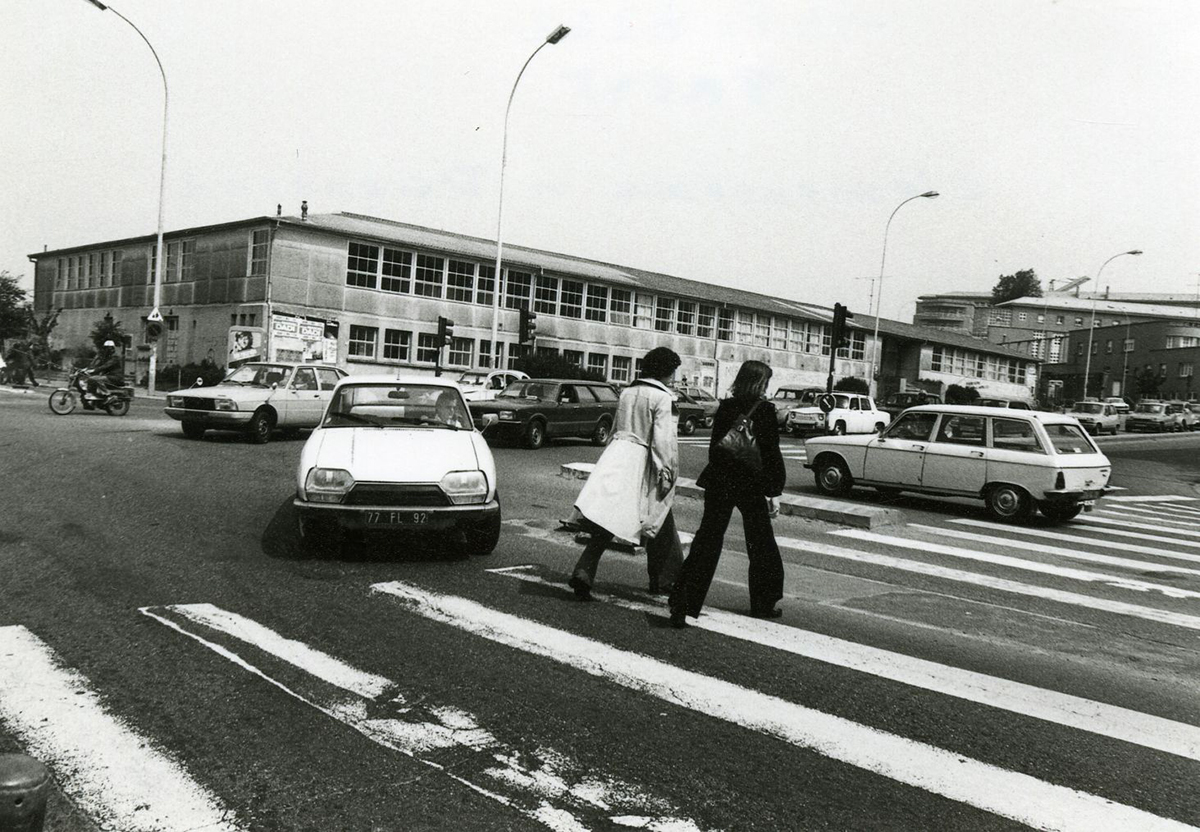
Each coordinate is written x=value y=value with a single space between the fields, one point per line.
x=1014 y=460
x=398 y=455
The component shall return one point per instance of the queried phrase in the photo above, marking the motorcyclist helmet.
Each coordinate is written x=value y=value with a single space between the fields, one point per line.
x=110 y=344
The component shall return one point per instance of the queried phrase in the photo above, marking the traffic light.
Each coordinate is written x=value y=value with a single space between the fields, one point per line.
x=445 y=331
x=528 y=329
x=840 y=335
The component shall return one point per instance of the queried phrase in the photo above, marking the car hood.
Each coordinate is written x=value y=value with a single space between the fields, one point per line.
x=226 y=391
x=394 y=454
x=496 y=405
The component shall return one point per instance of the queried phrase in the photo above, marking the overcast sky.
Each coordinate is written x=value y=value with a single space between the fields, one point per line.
x=760 y=145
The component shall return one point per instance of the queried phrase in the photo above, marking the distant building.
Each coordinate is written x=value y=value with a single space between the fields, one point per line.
x=365 y=293
x=965 y=312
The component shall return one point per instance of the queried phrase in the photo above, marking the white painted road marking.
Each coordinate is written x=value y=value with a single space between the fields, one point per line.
x=1061 y=551
x=543 y=785
x=1157 y=514
x=1027 y=700
x=1077 y=538
x=1091 y=519
x=117 y=777
x=1009 y=794
x=1017 y=563
x=1160 y=498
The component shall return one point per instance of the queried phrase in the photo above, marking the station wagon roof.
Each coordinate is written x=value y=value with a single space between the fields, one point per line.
x=1001 y=413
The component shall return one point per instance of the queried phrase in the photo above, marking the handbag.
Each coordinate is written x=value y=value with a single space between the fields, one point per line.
x=740 y=443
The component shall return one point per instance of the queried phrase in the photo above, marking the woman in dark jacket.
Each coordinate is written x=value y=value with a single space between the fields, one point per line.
x=729 y=483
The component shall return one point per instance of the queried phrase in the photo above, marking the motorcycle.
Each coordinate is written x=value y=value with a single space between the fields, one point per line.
x=64 y=399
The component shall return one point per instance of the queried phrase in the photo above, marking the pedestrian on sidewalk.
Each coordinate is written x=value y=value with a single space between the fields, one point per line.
x=729 y=482
x=630 y=492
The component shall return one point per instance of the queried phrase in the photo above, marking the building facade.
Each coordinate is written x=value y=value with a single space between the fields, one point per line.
x=366 y=294
x=964 y=312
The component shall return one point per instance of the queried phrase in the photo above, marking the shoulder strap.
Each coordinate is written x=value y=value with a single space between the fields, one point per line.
x=750 y=412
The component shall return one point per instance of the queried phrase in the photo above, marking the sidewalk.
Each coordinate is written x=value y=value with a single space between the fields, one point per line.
x=795 y=505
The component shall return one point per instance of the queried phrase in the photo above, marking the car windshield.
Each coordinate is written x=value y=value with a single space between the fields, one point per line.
x=992 y=403
x=1150 y=408
x=1068 y=439
x=472 y=379
x=259 y=375
x=903 y=399
x=528 y=390
x=800 y=397
x=397 y=404
x=1087 y=407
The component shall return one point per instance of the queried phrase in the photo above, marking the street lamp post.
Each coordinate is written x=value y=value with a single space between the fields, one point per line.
x=875 y=350
x=1087 y=366
x=155 y=314
x=554 y=37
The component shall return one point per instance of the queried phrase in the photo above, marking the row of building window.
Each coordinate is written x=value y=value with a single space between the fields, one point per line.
x=101 y=269
x=370 y=266
x=1004 y=317
x=976 y=365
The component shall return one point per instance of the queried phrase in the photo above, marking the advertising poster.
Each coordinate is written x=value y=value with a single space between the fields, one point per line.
x=303 y=339
x=245 y=344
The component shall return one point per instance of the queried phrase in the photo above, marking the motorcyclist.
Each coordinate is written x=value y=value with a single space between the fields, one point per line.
x=106 y=369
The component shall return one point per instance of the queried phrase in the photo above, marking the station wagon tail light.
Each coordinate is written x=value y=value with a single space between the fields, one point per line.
x=465 y=487
x=225 y=404
x=327 y=485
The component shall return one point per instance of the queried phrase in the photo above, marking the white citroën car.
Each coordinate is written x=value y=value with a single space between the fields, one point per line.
x=1015 y=461
x=398 y=454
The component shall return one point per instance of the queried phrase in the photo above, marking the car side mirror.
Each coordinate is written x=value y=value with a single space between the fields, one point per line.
x=274 y=385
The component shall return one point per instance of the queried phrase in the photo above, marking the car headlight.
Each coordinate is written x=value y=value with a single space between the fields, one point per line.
x=327 y=485
x=174 y=401
x=507 y=416
x=225 y=404
x=465 y=487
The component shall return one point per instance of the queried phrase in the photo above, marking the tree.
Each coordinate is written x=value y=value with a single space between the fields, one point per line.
x=106 y=329
x=852 y=384
x=1023 y=284
x=1146 y=383
x=542 y=365
x=958 y=394
x=12 y=307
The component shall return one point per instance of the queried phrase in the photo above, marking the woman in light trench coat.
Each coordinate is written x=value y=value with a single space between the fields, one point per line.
x=630 y=491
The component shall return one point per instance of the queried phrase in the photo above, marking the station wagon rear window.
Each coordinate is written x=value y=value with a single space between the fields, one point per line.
x=1068 y=439
x=1015 y=435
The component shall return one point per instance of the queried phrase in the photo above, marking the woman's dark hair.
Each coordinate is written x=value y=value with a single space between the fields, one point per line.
x=659 y=362
x=751 y=381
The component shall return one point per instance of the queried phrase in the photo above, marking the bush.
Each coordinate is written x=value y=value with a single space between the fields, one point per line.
x=554 y=366
x=957 y=394
x=82 y=355
x=852 y=384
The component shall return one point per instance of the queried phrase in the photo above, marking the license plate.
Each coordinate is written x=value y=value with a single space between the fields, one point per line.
x=397 y=518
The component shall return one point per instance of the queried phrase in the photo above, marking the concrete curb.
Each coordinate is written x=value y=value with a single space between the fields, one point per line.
x=794 y=505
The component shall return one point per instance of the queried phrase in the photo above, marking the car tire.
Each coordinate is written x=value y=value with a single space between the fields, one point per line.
x=193 y=430
x=832 y=476
x=687 y=427
x=1059 y=512
x=259 y=428
x=1007 y=503
x=481 y=539
x=603 y=433
x=535 y=435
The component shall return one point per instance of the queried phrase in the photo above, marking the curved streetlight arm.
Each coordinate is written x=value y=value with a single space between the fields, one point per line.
x=1087 y=365
x=554 y=37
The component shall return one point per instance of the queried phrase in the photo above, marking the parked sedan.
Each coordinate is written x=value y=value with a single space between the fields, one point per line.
x=535 y=410
x=1153 y=416
x=705 y=399
x=851 y=413
x=1096 y=417
x=898 y=402
x=786 y=398
x=398 y=455
x=1015 y=461
x=257 y=398
x=691 y=414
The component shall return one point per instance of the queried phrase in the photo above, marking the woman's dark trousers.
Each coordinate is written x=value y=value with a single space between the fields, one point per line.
x=663 y=555
x=766 y=565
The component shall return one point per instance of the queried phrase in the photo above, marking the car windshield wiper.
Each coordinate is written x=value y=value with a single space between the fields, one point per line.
x=231 y=381
x=354 y=417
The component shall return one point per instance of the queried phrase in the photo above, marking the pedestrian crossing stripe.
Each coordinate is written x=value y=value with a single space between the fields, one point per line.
x=544 y=785
x=113 y=774
x=1161 y=515
x=1108 y=520
x=1006 y=793
x=1063 y=709
x=1079 y=538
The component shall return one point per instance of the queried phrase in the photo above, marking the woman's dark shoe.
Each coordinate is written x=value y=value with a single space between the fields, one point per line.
x=678 y=618
x=766 y=612
x=583 y=590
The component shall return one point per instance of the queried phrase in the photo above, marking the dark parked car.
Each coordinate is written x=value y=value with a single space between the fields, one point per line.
x=897 y=402
x=692 y=414
x=703 y=398
x=537 y=409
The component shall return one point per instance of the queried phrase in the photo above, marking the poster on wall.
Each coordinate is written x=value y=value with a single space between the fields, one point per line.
x=294 y=338
x=245 y=344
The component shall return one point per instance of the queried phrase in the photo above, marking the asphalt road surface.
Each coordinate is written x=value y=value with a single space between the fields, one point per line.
x=181 y=662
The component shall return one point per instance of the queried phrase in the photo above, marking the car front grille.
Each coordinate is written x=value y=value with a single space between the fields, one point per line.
x=384 y=494
x=198 y=403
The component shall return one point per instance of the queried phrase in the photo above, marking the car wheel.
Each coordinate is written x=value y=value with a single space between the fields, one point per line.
x=602 y=434
x=259 y=429
x=832 y=476
x=839 y=429
x=687 y=427
x=535 y=435
x=193 y=430
x=483 y=536
x=1059 y=512
x=1007 y=503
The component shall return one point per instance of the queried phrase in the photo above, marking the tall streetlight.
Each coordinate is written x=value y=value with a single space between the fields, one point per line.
x=875 y=362
x=155 y=315
x=554 y=37
x=1087 y=366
